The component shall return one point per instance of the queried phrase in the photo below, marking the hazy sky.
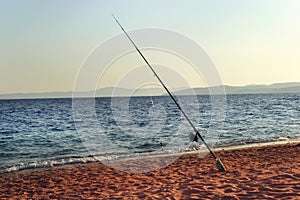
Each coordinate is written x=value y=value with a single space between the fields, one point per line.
x=43 y=43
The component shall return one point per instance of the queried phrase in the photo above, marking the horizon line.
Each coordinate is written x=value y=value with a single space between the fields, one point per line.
x=158 y=87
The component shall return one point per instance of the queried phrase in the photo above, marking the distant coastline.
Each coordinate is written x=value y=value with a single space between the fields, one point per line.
x=276 y=88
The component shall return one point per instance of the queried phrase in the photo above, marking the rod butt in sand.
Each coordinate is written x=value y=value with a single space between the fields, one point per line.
x=220 y=165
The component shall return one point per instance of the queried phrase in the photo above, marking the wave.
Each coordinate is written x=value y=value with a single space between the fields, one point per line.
x=47 y=164
x=94 y=158
x=123 y=156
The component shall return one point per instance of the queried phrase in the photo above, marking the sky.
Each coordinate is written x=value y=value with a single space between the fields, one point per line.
x=44 y=43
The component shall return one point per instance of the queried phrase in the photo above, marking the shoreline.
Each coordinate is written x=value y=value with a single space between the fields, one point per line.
x=91 y=159
x=261 y=172
x=259 y=144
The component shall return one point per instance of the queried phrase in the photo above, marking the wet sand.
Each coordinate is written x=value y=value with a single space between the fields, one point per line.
x=268 y=172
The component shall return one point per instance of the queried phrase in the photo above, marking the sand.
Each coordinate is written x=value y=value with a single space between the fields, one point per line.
x=268 y=172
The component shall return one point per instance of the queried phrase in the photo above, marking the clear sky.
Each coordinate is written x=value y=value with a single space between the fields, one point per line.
x=43 y=43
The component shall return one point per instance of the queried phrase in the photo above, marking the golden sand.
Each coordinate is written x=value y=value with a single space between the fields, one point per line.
x=268 y=172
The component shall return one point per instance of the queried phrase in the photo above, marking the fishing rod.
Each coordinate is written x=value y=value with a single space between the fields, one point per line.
x=219 y=163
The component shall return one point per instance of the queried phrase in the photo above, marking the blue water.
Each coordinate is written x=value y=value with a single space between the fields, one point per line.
x=45 y=132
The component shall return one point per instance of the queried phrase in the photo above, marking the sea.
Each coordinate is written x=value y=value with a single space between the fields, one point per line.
x=42 y=133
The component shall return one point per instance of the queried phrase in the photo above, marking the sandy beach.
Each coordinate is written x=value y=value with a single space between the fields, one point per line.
x=268 y=172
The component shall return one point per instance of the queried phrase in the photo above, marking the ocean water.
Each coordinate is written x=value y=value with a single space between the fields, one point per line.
x=37 y=133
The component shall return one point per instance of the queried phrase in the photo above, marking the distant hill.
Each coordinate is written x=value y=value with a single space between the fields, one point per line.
x=293 y=87
x=117 y=92
x=248 y=89
x=104 y=92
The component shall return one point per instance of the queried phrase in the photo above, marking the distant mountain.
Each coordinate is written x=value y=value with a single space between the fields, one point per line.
x=119 y=92
x=104 y=92
x=293 y=87
x=36 y=95
x=248 y=89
